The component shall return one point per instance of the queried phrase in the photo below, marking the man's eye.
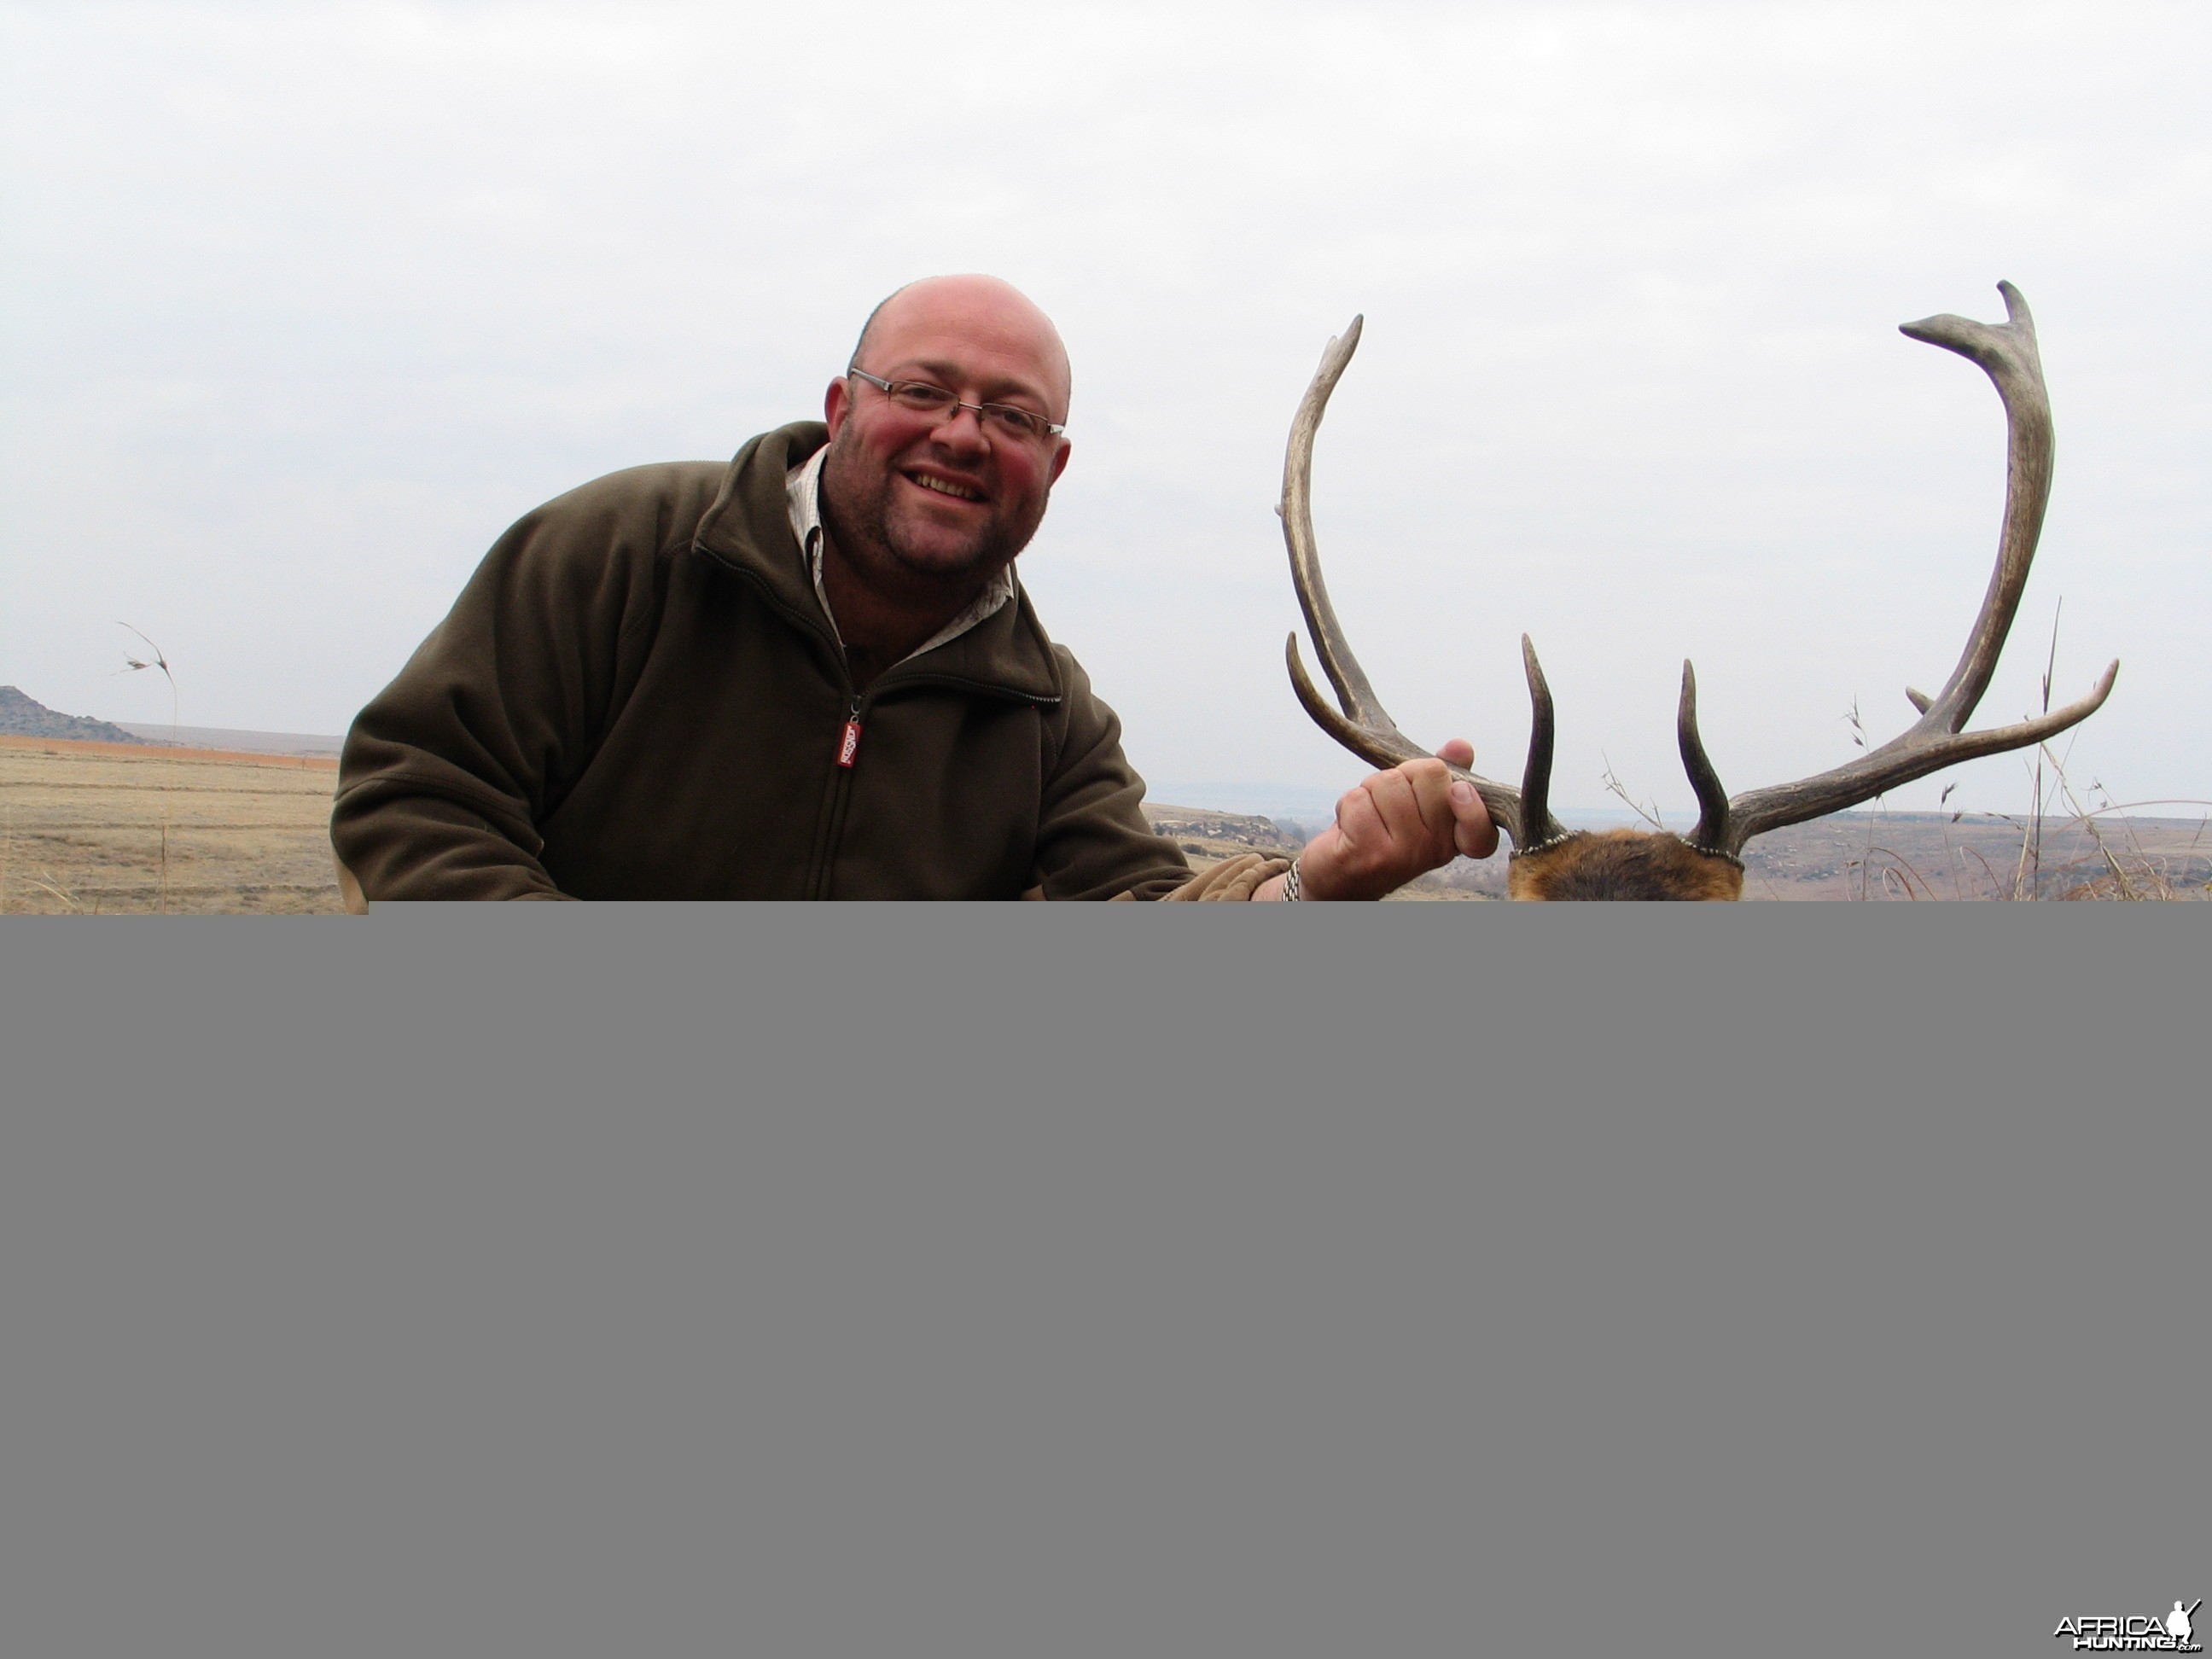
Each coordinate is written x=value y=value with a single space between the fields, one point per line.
x=1015 y=420
x=919 y=394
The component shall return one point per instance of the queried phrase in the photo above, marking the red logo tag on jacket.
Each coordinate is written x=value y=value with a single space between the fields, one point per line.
x=851 y=744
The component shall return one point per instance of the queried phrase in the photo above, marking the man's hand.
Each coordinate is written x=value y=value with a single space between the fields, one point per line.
x=1394 y=826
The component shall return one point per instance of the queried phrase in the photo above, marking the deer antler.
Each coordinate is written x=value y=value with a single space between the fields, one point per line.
x=2006 y=352
x=1365 y=728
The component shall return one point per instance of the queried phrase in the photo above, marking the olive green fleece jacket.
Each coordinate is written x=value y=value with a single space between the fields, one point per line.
x=637 y=697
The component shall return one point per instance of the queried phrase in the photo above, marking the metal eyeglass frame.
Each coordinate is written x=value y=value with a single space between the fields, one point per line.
x=1024 y=422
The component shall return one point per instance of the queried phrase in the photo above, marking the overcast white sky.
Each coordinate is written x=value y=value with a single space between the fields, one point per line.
x=306 y=303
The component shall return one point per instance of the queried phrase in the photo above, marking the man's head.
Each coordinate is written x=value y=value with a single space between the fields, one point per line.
x=923 y=502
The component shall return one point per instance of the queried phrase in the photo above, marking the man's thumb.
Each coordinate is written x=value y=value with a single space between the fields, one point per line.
x=1472 y=832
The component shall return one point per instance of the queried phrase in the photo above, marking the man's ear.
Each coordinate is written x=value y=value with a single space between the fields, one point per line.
x=1059 y=461
x=837 y=403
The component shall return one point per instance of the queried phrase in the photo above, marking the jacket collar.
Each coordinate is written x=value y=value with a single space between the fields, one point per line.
x=803 y=497
x=748 y=529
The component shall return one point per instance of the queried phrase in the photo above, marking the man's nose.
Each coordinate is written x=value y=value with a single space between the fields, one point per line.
x=962 y=429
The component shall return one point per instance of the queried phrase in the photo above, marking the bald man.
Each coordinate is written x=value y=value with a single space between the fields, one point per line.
x=811 y=673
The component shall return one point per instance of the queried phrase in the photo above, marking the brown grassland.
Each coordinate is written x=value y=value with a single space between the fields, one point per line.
x=96 y=828
x=89 y=828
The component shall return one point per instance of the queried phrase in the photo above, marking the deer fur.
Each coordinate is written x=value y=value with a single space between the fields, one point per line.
x=1623 y=863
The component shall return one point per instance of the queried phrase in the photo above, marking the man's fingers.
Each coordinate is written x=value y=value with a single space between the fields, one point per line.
x=1422 y=827
x=1397 y=824
x=1359 y=818
x=1410 y=814
x=1472 y=832
x=1431 y=788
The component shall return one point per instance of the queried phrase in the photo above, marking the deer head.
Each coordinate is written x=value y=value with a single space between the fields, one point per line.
x=1552 y=862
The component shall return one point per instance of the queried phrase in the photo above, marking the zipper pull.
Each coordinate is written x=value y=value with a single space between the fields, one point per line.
x=848 y=745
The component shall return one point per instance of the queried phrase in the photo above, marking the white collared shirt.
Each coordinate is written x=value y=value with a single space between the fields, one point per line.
x=802 y=490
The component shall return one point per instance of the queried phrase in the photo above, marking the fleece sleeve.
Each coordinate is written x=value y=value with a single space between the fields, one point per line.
x=1092 y=839
x=447 y=772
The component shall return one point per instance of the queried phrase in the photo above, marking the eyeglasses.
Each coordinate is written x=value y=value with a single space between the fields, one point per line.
x=934 y=401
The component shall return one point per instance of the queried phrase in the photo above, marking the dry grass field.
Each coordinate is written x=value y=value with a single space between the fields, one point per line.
x=97 y=828
x=101 y=828
x=1932 y=855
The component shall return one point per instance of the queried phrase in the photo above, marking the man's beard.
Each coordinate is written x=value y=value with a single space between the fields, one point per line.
x=856 y=504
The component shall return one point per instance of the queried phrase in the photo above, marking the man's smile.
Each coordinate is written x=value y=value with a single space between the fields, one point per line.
x=939 y=484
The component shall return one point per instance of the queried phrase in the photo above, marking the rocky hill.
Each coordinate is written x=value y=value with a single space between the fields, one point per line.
x=1214 y=834
x=26 y=717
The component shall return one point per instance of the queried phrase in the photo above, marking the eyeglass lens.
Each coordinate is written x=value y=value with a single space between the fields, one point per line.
x=924 y=399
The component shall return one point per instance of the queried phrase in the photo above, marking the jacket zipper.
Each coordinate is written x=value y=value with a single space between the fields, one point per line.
x=848 y=745
x=830 y=826
x=831 y=829
x=848 y=752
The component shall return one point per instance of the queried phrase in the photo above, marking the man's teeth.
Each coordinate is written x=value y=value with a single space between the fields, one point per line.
x=944 y=487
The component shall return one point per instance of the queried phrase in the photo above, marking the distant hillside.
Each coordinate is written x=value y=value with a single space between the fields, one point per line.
x=1218 y=834
x=26 y=717
x=254 y=742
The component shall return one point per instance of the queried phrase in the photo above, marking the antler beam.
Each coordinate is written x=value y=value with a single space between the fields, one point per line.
x=1364 y=727
x=2006 y=352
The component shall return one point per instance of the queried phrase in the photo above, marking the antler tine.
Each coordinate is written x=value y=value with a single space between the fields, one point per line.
x=1365 y=728
x=1536 y=774
x=1296 y=511
x=1712 y=831
x=2006 y=352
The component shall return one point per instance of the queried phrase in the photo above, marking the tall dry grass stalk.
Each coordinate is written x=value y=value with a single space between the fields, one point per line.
x=2127 y=870
x=1614 y=785
x=2029 y=870
x=2130 y=872
x=135 y=665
